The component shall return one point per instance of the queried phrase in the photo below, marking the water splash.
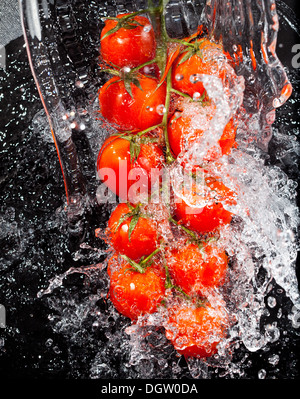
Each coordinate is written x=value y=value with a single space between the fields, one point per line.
x=262 y=243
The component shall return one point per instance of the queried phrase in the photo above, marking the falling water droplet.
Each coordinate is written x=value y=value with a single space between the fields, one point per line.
x=195 y=78
x=79 y=84
x=147 y=28
x=262 y=374
x=160 y=109
x=49 y=342
x=271 y=302
x=272 y=333
x=196 y=96
x=273 y=359
x=179 y=77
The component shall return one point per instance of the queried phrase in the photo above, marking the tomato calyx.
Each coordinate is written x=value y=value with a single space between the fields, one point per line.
x=135 y=213
x=127 y=75
x=199 y=301
x=143 y=264
x=136 y=141
x=190 y=50
x=126 y=22
x=194 y=238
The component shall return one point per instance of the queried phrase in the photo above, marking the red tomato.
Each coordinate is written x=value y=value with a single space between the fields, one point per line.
x=131 y=45
x=193 y=269
x=137 y=112
x=196 y=331
x=129 y=179
x=203 y=220
x=210 y=217
x=182 y=133
x=141 y=242
x=205 y=61
x=134 y=293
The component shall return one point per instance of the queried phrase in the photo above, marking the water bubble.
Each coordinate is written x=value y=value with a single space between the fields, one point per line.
x=251 y=79
x=195 y=78
x=277 y=102
x=56 y=349
x=73 y=125
x=95 y=325
x=179 y=77
x=147 y=28
x=79 y=84
x=271 y=301
x=273 y=359
x=49 y=342
x=124 y=71
x=132 y=286
x=160 y=109
x=295 y=317
x=272 y=333
x=196 y=96
x=147 y=70
x=262 y=374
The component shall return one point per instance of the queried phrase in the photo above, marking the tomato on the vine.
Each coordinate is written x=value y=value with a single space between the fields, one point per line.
x=131 y=233
x=127 y=41
x=135 y=111
x=210 y=217
x=202 y=220
x=196 y=331
x=134 y=293
x=204 y=58
x=183 y=131
x=129 y=178
x=194 y=269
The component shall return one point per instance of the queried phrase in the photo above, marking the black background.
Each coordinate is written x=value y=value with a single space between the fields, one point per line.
x=31 y=193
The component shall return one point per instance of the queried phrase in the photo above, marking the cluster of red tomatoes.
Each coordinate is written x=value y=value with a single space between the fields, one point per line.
x=166 y=257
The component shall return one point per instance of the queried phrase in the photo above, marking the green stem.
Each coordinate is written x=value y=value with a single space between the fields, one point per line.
x=188 y=231
x=168 y=283
x=169 y=157
x=183 y=42
x=157 y=16
x=134 y=264
x=146 y=260
x=140 y=267
x=181 y=94
x=158 y=22
x=149 y=129
x=143 y=65
x=181 y=291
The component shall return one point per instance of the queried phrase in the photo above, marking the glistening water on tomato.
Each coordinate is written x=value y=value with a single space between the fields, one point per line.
x=174 y=107
x=174 y=99
x=149 y=269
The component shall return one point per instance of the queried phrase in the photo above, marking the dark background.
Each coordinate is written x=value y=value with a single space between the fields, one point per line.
x=35 y=246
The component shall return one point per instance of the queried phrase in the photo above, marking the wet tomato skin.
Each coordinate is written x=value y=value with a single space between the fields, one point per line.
x=128 y=47
x=210 y=217
x=194 y=270
x=143 y=239
x=114 y=164
x=196 y=331
x=134 y=293
x=182 y=135
x=132 y=113
x=202 y=220
x=185 y=73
